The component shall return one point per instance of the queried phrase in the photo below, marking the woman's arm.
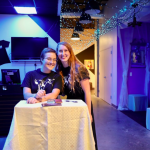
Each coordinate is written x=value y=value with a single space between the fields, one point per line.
x=53 y=95
x=27 y=93
x=40 y=96
x=29 y=96
x=86 y=88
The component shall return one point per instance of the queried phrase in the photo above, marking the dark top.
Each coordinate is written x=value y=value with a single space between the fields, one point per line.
x=33 y=80
x=78 y=93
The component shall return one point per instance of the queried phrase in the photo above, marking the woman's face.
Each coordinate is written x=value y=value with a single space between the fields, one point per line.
x=63 y=53
x=49 y=61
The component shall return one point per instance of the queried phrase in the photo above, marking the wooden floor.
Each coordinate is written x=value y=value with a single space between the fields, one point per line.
x=115 y=130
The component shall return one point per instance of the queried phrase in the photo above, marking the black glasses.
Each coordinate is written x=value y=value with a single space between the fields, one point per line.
x=50 y=59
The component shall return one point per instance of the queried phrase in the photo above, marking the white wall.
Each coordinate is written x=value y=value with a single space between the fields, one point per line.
x=106 y=41
x=21 y=26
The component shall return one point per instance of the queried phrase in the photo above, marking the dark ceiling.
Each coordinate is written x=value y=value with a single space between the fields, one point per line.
x=43 y=7
x=70 y=10
x=48 y=7
x=79 y=5
x=52 y=7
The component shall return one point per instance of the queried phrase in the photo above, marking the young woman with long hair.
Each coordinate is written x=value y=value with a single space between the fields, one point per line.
x=75 y=78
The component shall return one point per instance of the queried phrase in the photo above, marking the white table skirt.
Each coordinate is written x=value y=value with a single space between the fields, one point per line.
x=148 y=118
x=65 y=127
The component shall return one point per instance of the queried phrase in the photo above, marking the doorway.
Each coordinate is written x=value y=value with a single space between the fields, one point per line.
x=105 y=81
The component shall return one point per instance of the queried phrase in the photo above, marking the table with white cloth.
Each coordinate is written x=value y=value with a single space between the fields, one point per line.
x=65 y=127
x=137 y=102
x=148 y=118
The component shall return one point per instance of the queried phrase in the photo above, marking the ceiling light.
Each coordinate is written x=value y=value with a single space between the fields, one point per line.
x=75 y=36
x=92 y=7
x=85 y=18
x=78 y=27
x=25 y=10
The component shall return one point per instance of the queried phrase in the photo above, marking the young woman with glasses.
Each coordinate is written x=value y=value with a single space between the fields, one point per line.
x=43 y=84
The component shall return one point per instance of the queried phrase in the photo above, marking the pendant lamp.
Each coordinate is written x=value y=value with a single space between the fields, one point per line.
x=85 y=18
x=75 y=36
x=78 y=28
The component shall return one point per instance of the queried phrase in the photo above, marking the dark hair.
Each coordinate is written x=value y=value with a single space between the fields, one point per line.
x=47 y=50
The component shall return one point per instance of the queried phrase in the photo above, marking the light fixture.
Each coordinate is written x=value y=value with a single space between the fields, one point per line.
x=78 y=28
x=75 y=36
x=92 y=7
x=85 y=18
x=134 y=23
x=25 y=10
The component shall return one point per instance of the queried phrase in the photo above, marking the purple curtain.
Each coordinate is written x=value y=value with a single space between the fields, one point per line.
x=126 y=36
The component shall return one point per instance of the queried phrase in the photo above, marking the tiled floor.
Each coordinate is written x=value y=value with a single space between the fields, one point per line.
x=116 y=131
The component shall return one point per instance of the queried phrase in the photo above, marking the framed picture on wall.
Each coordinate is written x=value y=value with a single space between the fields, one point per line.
x=89 y=64
x=137 y=54
x=137 y=58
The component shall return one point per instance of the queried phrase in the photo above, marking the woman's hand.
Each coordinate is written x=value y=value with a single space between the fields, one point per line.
x=40 y=94
x=32 y=100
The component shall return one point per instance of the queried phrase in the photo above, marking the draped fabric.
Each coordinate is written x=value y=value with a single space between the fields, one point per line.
x=147 y=75
x=143 y=32
x=125 y=36
x=147 y=56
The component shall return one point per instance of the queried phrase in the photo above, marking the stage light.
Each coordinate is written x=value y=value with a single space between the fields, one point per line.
x=25 y=10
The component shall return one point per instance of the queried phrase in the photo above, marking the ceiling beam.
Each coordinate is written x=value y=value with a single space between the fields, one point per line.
x=59 y=7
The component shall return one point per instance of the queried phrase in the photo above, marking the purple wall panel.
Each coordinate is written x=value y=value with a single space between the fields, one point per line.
x=119 y=70
x=136 y=82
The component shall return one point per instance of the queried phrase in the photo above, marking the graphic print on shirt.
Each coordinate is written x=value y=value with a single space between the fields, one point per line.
x=42 y=85
x=78 y=88
x=66 y=80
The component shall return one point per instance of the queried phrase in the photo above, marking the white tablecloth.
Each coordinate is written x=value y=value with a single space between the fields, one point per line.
x=65 y=127
x=137 y=102
x=148 y=118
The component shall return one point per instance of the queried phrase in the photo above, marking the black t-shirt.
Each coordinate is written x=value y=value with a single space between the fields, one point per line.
x=33 y=80
x=78 y=93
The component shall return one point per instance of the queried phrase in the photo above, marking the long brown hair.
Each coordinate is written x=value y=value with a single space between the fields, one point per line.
x=73 y=63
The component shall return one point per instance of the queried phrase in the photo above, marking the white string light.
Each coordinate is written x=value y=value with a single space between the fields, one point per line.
x=124 y=15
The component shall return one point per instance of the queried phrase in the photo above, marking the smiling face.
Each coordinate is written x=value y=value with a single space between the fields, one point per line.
x=48 y=62
x=63 y=54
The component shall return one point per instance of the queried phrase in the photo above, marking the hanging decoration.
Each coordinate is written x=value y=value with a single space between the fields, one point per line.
x=124 y=15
